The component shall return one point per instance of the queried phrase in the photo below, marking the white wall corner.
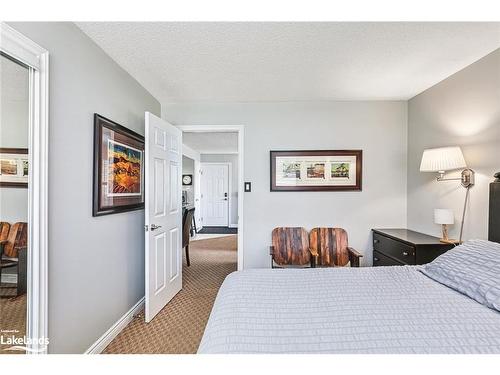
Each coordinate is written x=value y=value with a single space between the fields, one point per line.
x=103 y=341
x=190 y=153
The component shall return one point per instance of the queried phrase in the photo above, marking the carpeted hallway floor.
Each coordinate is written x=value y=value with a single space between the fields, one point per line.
x=12 y=316
x=178 y=328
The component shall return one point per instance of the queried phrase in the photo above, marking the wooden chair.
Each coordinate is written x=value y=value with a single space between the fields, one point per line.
x=4 y=231
x=13 y=253
x=187 y=221
x=290 y=247
x=332 y=249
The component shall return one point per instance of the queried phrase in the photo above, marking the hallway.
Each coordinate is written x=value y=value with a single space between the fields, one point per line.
x=179 y=327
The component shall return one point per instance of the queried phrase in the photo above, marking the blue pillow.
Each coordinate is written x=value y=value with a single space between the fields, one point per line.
x=472 y=268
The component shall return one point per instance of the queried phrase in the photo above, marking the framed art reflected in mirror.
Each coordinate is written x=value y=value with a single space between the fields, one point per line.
x=118 y=168
x=316 y=170
x=14 y=167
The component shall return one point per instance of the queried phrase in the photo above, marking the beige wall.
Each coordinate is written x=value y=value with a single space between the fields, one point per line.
x=463 y=110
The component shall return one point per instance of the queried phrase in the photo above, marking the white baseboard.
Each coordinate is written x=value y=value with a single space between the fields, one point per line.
x=103 y=341
x=233 y=225
x=9 y=278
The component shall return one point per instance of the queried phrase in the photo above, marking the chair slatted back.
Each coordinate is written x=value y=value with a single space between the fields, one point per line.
x=18 y=237
x=4 y=230
x=331 y=245
x=291 y=246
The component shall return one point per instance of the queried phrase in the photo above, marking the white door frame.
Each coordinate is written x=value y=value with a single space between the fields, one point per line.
x=240 y=129
x=229 y=185
x=36 y=58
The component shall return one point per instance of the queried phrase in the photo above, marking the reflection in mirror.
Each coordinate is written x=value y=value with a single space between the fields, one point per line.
x=14 y=169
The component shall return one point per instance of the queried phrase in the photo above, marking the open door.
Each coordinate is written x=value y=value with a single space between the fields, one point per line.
x=163 y=206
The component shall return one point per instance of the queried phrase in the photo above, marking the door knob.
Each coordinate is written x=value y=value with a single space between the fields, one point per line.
x=154 y=226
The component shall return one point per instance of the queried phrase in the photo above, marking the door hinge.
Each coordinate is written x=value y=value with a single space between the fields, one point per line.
x=146 y=228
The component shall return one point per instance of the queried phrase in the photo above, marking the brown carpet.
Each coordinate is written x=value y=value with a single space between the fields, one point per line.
x=178 y=328
x=12 y=316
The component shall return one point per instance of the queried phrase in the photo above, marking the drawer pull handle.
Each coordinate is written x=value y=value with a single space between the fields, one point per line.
x=376 y=259
x=376 y=241
x=405 y=253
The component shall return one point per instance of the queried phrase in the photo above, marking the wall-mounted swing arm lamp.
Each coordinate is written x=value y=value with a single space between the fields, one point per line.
x=444 y=159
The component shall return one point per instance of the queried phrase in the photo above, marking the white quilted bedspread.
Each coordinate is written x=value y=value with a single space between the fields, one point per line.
x=346 y=310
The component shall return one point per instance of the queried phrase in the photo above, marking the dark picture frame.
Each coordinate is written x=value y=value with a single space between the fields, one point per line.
x=118 y=176
x=316 y=170
x=16 y=158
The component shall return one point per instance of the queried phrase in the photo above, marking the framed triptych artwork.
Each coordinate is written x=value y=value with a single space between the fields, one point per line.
x=118 y=168
x=14 y=167
x=317 y=170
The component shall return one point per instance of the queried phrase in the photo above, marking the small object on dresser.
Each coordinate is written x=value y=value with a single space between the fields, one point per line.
x=399 y=247
x=445 y=217
x=497 y=176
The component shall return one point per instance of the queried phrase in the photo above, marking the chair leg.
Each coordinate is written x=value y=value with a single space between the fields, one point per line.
x=187 y=255
x=22 y=273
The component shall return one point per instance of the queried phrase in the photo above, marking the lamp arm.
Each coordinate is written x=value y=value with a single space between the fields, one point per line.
x=467 y=177
x=441 y=178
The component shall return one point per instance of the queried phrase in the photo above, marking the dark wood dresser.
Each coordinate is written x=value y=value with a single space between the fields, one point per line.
x=397 y=247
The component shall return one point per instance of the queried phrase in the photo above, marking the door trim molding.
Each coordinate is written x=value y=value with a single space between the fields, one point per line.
x=229 y=185
x=36 y=58
x=240 y=129
x=108 y=336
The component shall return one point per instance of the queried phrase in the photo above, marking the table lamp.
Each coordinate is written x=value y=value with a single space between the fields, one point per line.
x=444 y=217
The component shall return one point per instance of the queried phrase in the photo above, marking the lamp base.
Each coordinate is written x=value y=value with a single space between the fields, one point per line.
x=450 y=241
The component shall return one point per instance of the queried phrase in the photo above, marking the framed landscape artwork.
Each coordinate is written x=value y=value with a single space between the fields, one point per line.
x=318 y=170
x=118 y=168
x=14 y=167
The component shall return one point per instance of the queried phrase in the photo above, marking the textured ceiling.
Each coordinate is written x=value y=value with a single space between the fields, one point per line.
x=217 y=61
x=211 y=142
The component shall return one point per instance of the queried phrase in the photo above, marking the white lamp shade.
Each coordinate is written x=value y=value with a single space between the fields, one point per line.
x=444 y=216
x=442 y=159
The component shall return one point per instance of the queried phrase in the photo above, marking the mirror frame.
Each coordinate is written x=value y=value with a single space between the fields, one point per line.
x=27 y=52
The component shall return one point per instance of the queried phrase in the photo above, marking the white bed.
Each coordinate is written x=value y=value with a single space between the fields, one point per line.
x=347 y=310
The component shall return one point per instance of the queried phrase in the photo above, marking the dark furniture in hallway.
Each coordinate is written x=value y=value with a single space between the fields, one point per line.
x=187 y=220
x=398 y=247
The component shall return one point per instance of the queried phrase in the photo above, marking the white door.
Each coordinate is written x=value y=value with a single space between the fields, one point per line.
x=163 y=206
x=215 y=194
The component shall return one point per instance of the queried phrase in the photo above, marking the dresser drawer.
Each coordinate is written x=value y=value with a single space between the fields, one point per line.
x=395 y=249
x=380 y=259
